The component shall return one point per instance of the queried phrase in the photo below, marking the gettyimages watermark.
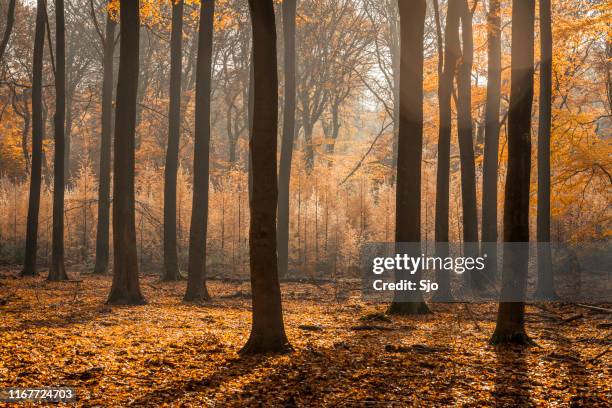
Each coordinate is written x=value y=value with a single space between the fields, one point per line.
x=474 y=272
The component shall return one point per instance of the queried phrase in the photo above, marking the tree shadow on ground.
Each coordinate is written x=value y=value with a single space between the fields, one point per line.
x=577 y=381
x=64 y=319
x=338 y=376
x=233 y=368
x=512 y=382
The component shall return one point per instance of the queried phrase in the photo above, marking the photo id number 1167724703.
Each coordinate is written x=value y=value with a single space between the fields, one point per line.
x=37 y=394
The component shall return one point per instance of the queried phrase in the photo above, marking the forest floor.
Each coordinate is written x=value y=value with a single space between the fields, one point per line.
x=347 y=352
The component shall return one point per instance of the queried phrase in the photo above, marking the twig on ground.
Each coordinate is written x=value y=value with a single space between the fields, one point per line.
x=600 y=355
x=595 y=308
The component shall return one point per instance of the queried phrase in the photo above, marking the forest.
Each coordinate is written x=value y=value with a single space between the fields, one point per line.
x=200 y=201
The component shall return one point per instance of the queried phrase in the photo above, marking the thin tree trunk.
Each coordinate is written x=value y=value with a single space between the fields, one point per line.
x=491 y=144
x=10 y=20
x=68 y=137
x=171 y=270
x=284 y=171
x=308 y=147
x=395 y=67
x=251 y=94
x=268 y=330
x=25 y=115
x=196 y=280
x=334 y=130
x=510 y=326
x=102 y=233
x=57 y=270
x=445 y=88
x=439 y=39
x=410 y=147
x=29 y=267
x=126 y=288
x=546 y=284
x=466 y=141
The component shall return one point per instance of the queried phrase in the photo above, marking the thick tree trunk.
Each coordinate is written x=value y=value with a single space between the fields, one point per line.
x=410 y=146
x=57 y=270
x=445 y=89
x=171 y=270
x=466 y=143
x=102 y=249
x=510 y=326
x=268 y=330
x=10 y=20
x=546 y=284
x=126 y=288
x=491 y=144
x=284 y=171
x=29 y=267
x=196 y=280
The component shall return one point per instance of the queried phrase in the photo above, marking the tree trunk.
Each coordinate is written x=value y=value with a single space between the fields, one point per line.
x=57 y=270
x=68 y=137
x=308 y=146
x=268 y=330
x=25 y=115
x=546 y=283
x=171 y=270
x=394 y=41
x=10 y=20
x=126 y=288
x=284 y=171
x=510 y=326
x=466 y=142
x=102 y=250
x=491 y=144
x=29 y=267
x=334 y=129
x=410 y=146
x=251 y=94
x=196 y=281
x=445 y=88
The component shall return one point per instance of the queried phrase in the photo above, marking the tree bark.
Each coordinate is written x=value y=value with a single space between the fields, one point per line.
x=510 y=326
x=68 y=138
x=395 y=65
x=445 y=89
x=466 y=143
x=284 y=171
x=251 y=94
x=126 y=288
x=309 y=152
x=25 y=130
x=29 y=267
x=171 y=270
x=334 y=129
x=10 y=21
x=491 y=144
x=546 y=283
x=57 y=270
x=102 y=233
x=196 y=280
x=410 y=146
x=268 y=330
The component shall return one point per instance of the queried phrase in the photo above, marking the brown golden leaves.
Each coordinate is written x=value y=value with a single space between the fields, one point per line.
x=172 y=353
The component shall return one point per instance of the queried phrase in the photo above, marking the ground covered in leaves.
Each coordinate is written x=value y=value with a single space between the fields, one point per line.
x=347 y=352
